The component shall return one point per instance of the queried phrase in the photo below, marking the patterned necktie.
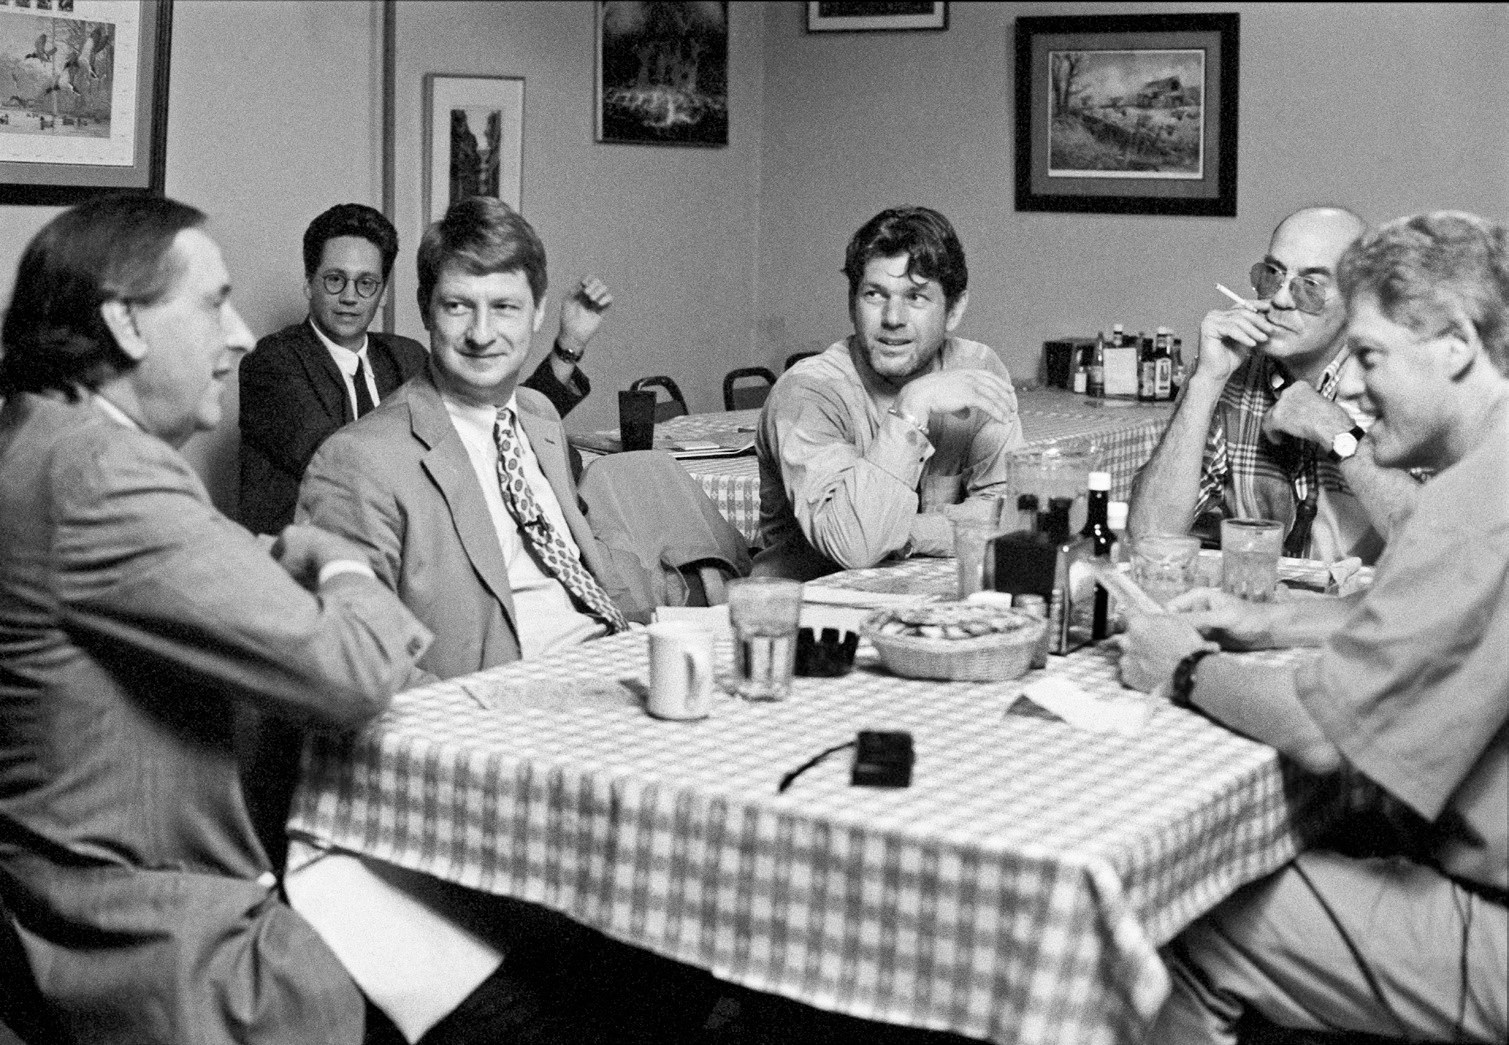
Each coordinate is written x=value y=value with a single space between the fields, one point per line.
x=558 y=558
x=359 y=385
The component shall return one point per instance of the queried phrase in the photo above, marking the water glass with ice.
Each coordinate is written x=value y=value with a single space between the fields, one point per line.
x=1163 y=564
x=1250 y=550
x=764 y=613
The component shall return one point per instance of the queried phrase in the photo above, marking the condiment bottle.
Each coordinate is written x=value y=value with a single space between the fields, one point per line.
x=1095 y=384
x=1098 y=530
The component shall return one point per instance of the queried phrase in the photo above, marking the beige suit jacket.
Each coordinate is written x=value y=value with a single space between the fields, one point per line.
x=398 y=483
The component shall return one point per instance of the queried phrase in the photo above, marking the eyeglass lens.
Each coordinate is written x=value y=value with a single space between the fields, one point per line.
x=1309 y=294
x=366 y=286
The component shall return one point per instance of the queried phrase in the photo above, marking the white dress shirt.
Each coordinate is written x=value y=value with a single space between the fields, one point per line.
x=547 y=619
x=346 y=360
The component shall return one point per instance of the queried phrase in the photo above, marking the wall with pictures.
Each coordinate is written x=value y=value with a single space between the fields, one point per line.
x=725 y=257
x=1393 y=113
x=670 y=229
x=272 y=117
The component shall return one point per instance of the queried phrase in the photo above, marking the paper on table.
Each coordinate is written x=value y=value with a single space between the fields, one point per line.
x=1081 y=709
x=873 y=600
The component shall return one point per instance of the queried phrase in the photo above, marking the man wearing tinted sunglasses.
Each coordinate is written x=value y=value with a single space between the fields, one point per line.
x=306 y=380
x=1259 y=430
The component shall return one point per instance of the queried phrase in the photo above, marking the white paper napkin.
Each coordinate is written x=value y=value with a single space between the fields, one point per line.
x=1082 y=709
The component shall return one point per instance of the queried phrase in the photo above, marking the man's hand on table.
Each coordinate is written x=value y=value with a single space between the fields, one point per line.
x=1227 y=620
x=956 y=392
x=1152 y=647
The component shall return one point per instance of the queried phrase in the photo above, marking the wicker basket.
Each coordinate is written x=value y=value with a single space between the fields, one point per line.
x=997 y=657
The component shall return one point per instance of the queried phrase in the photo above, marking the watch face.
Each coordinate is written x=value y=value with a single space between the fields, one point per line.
x=1344 y=445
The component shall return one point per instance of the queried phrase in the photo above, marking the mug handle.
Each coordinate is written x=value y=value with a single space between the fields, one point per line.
x=699 y=664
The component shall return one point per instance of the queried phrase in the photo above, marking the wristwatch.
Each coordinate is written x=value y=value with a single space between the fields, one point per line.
x=568 y=356
x=1183 y=687
x=1344 y=445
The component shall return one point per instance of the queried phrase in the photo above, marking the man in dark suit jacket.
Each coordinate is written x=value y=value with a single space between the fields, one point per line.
x=306 y=380
x=139 y=628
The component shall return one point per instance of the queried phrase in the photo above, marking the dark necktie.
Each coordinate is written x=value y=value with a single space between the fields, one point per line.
x=359 y=383
x=557 y=557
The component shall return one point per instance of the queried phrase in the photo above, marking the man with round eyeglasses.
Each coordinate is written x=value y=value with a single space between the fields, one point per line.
x=306 y=380
x=1266 y=426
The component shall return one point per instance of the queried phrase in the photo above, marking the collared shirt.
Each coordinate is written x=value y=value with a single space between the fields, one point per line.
x=546 y=617
x=1246 y=475
x=347 y=360
x=839 y=473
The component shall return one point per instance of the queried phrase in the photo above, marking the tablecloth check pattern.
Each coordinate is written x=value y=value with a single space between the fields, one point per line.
x=1125 y=433
x=1015 y=892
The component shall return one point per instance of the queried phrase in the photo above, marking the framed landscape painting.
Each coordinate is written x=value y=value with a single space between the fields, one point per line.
x=473 y=140
x=1127 y=114
x=84 y=106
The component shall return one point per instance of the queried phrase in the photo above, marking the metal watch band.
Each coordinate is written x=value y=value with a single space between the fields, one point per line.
x=1184 y=678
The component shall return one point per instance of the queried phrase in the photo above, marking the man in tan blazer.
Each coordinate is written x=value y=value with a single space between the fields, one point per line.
x=459 y=489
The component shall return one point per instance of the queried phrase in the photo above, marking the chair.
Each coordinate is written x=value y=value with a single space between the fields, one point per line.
x=795 y=358
x=665 y=409
x=669 y=544
x=749 y=396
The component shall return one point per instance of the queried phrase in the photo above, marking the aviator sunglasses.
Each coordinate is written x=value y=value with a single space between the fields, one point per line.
x=1309 y=292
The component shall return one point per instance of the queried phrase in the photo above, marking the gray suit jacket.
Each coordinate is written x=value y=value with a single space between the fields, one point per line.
x=139 y=628
x=399 y=483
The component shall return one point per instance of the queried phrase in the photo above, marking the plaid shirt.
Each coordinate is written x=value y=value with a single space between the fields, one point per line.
x=1248 y=475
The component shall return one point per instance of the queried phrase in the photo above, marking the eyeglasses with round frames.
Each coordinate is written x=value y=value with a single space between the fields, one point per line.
x=1308 y=292
x=335 y=283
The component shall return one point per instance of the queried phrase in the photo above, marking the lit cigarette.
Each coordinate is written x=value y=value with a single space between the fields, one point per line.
x=1233 y=295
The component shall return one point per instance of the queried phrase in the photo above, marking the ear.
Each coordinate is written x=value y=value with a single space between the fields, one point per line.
x=539 y=311
x=1462 y=345
x=122 y=326
x=309 y=289
x=956 y=312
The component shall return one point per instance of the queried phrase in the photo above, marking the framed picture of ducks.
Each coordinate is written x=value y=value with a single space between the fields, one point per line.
x=83 y=98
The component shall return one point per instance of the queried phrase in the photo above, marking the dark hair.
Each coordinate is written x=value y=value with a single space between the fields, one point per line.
x=1425 y=268
x=932 y=247
x=116 y=248
x=350 y=219
x=482 y=235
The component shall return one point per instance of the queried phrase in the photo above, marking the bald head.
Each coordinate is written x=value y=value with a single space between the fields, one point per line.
x=1323 y=224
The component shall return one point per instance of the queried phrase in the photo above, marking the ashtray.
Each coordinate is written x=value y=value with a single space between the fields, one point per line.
x=826 y=656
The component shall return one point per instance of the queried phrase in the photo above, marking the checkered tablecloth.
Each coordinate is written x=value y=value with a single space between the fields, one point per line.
x=1015 y=892
x=1124 y=432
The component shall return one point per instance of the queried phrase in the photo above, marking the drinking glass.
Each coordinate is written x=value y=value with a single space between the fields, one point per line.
x=938 y=492
x=975 y=522
x=636 y=419
x=764 y=613
x=1250 y=550
x=1163 y=564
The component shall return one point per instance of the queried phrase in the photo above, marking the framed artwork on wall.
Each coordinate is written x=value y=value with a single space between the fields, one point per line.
x=1127 y=114
x=662 y=73
x=473 y=140
x=85 y=108
x=884 y=17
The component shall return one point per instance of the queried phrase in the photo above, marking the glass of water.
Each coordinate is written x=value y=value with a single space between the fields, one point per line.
x=1163 y=564
x=764 y=613
x=1250 y=550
